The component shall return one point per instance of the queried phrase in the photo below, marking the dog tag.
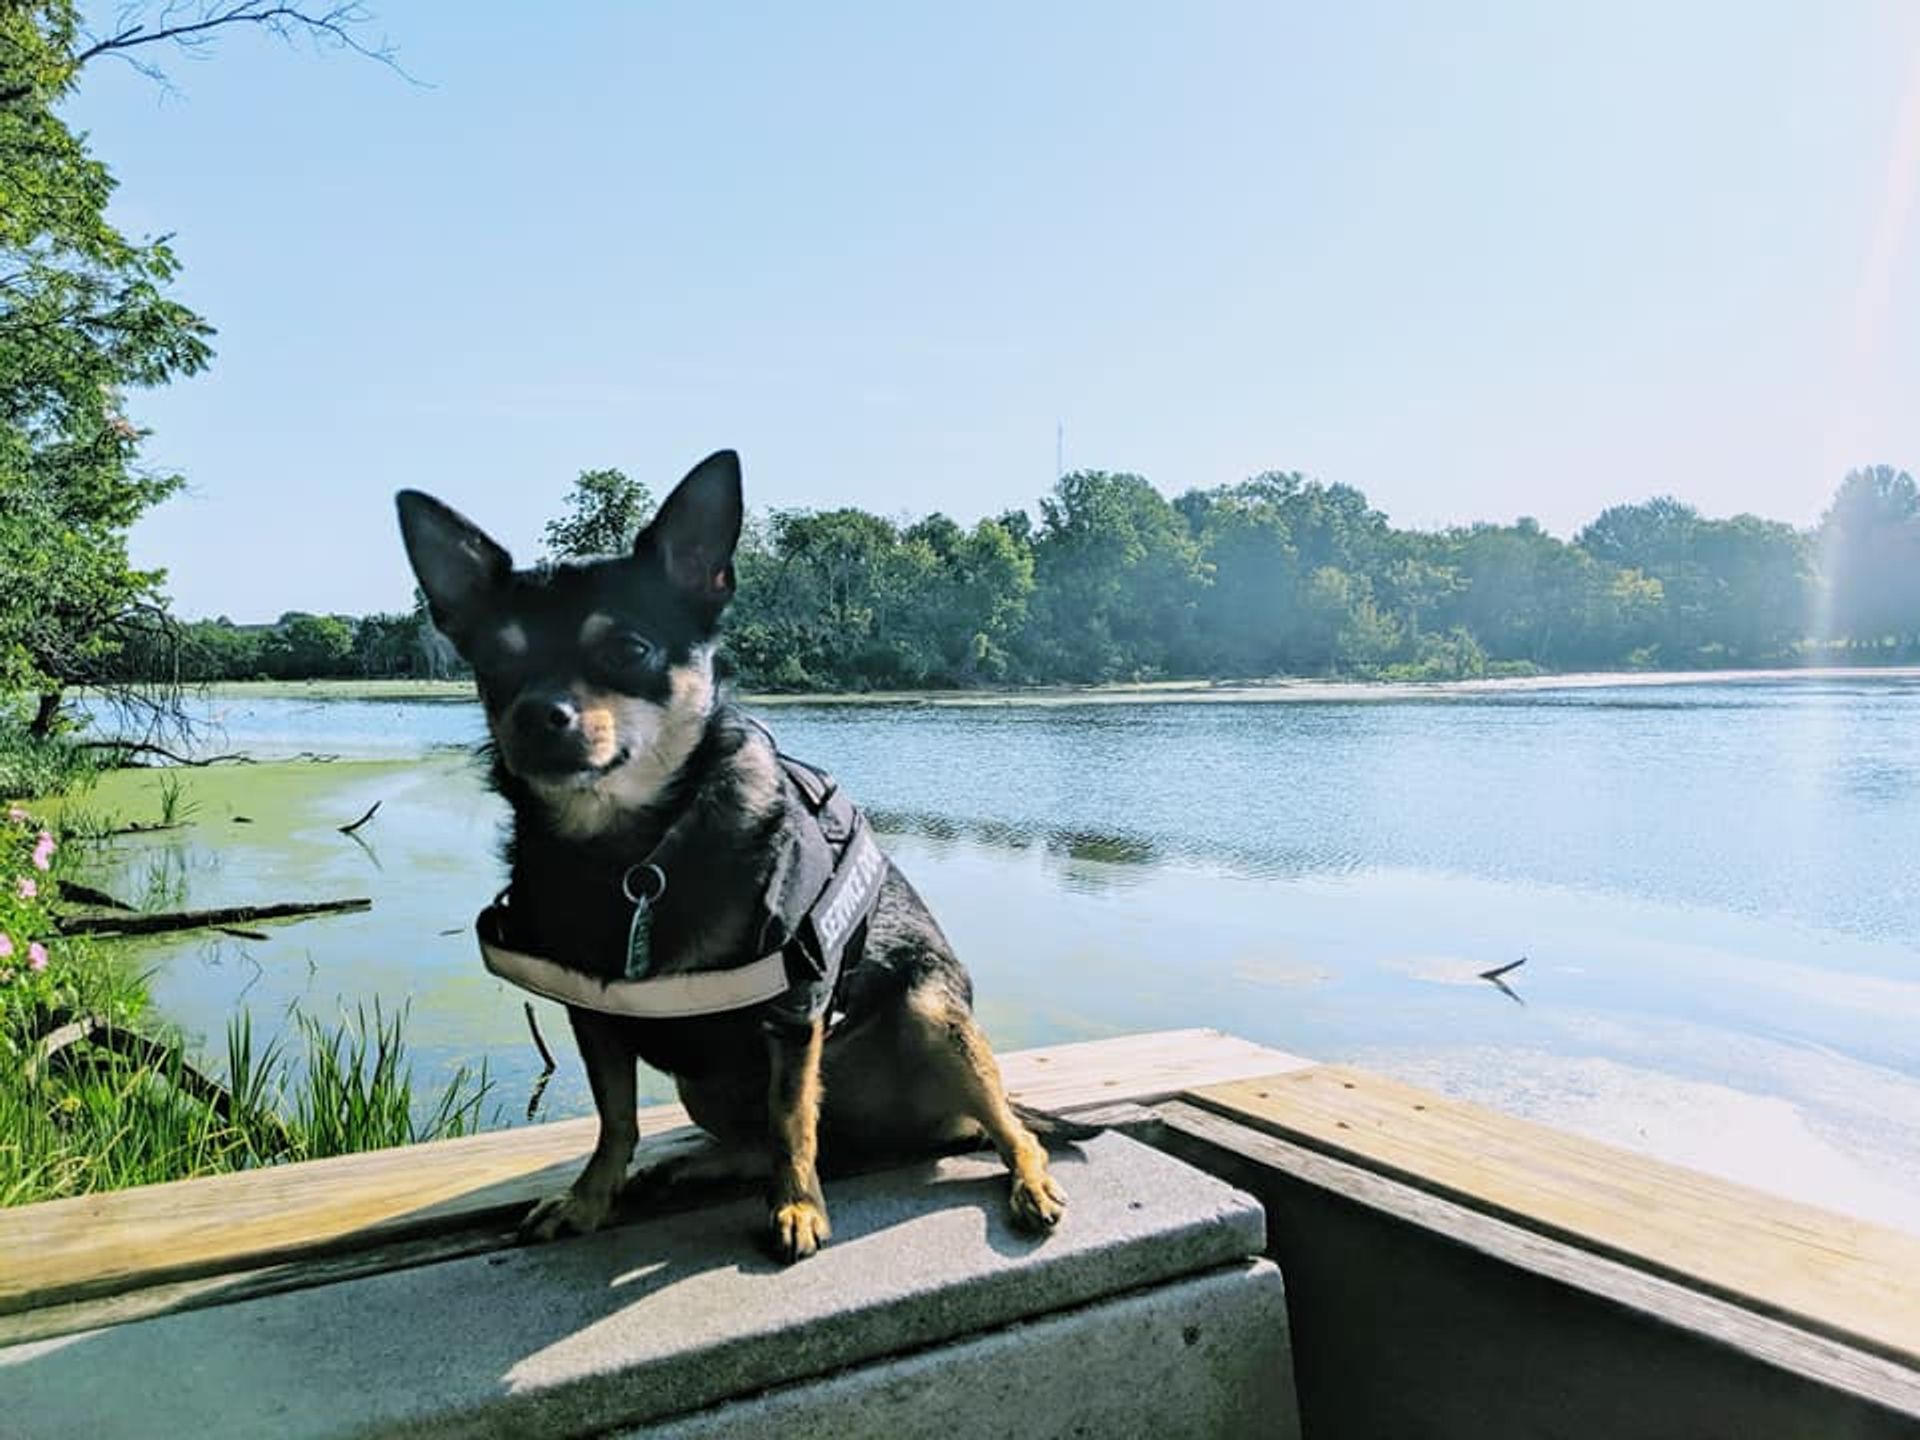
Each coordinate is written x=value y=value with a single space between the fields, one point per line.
x=639 y=937
x=652 y=883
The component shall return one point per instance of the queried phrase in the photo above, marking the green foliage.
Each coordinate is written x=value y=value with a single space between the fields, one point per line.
x=604 y=513
x=848 y=600
x=1277 y=574
x=1117 y=579
x=104 y=1121
x=1870 y=556
x=1738 y=588
x=84 y=318
x=99 y=1119
x=37 y=765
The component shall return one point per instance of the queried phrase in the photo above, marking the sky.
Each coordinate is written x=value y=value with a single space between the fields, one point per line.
x=1480 y=260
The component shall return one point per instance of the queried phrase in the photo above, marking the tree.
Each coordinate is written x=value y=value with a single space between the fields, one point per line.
x=1117 y=577
x=1870 y=557
x=1244 y=617
x=302 y=646
x=1737 y=587
x=85 y=319
x=604 y=512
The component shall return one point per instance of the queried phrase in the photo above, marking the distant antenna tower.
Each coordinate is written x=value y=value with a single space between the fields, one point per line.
x=1059 y=448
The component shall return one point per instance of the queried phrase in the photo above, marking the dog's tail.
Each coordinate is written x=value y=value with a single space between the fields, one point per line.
x=1054 y=1129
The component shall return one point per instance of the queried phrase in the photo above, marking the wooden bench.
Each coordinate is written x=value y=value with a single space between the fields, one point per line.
x=1449 y=1270
x=104 y=1259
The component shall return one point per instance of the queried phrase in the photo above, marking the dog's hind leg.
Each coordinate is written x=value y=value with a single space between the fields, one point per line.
x=796 y=1210
x=961 y=1062
x=589 y=1201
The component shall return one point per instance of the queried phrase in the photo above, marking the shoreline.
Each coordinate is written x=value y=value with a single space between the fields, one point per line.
x=1279 y=690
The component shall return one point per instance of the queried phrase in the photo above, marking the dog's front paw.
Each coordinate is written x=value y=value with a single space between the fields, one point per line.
x=1037 y=1202
x=797 y=1229
x=579 y=1211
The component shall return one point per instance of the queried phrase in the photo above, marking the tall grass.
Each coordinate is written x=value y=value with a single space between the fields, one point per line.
x=90 y=1115
x=100 y=1121
x=30 y=766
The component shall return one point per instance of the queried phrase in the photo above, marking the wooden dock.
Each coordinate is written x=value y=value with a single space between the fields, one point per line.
x=1448 y=1269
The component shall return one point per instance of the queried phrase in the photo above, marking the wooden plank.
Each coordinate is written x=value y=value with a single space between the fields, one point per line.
x=1413 y=1314
x=97 y=1245
x=1842 y=1277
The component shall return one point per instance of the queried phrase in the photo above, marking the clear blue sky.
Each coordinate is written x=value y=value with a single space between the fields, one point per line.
x=1479 y=259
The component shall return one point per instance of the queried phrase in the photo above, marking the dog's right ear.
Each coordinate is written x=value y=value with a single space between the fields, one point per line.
x=457 y=565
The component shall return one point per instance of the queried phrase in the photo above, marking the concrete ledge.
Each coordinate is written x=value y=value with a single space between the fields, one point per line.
x=1201 y=1359
x=652 y=1320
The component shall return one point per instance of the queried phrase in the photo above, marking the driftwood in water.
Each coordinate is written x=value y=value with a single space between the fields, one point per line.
x=546 y=1056
x=137 y=828
x=349 y=829
x=129 y=748
x=86 y=895
x=1496 y=976
x=161 y=922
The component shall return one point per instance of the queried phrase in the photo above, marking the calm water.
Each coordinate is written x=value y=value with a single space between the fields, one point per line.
x=1714 y=887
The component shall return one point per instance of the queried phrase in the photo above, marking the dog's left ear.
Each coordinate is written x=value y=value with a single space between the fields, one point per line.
x=694 y=535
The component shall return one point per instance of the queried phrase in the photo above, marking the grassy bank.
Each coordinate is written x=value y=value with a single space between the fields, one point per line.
x=97 y=1093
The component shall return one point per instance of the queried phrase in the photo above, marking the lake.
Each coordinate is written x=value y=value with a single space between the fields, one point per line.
x=1713 y=886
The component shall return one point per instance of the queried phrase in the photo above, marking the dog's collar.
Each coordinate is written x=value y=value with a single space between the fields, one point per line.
x=663 y=997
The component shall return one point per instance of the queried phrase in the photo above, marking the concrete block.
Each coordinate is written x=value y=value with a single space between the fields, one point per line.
x=649 y=1320
x=1205 y=1358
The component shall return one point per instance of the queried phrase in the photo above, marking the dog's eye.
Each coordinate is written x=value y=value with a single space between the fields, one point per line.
x=626 y=651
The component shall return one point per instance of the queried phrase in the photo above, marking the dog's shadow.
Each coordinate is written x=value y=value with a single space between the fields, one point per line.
x=560 y=1329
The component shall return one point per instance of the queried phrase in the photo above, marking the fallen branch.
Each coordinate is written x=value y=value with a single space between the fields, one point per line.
x=56 y=1040
x=239 y=934
x=539 y=1092
x=165 y=1060
x=87 y=895
x=371 y=810
x=135 y=829
x=1494 y=977
x=539 y=1041
x=546 y=1058
x=147 y=747
x=163 y=921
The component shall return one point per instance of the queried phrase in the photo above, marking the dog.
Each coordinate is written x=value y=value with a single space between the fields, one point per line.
x=611 y=739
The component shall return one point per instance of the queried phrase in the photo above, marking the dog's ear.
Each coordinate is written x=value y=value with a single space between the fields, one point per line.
x=458 y=566
x=694 y=535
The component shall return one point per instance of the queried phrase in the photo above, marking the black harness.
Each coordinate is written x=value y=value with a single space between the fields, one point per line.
x=812 y=923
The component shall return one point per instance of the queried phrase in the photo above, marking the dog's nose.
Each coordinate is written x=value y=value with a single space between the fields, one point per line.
x=541 y=718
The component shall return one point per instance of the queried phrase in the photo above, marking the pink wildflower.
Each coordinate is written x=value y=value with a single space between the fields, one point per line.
x=29 y=887
x=36 y=956
x=16 y=815
x=6 y=945
x=43 y=849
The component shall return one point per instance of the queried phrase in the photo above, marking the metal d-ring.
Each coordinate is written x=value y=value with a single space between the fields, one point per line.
x=644 y=899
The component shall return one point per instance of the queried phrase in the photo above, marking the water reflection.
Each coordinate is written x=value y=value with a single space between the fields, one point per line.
x=1107 y=847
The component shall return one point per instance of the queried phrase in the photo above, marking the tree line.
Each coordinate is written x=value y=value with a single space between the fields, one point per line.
x=1279 y=574
x=1109 y=580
